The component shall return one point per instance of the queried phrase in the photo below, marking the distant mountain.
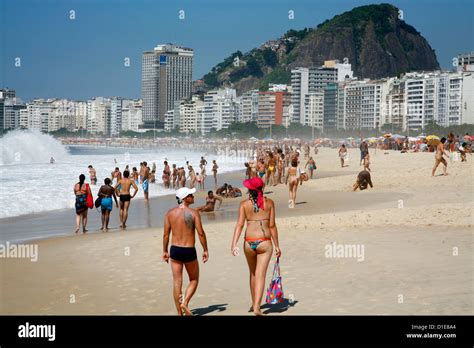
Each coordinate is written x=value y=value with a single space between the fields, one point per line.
x=374 y=38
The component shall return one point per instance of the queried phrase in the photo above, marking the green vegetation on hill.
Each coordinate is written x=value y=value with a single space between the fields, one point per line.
x=346 y=35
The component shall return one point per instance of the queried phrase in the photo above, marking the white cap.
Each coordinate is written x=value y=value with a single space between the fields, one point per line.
x=183 y=192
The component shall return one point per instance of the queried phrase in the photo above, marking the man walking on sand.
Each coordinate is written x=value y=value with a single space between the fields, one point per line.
x=183 y=222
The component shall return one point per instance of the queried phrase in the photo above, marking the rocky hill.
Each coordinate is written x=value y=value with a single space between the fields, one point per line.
x=374 y=38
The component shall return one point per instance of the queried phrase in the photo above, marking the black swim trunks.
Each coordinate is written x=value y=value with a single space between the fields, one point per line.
x=183 y=254
x=125 y=198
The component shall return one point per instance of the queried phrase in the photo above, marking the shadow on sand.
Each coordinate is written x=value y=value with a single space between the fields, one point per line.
x=210 y=309
x=279 y=307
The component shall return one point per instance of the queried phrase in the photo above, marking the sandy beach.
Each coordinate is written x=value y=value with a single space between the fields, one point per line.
x=416 y=232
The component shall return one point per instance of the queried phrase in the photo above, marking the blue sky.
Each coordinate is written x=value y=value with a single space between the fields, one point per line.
x=82 y=58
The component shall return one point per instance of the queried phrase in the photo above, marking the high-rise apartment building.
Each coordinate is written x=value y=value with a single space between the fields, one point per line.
x=272 y=108
x=166 y=78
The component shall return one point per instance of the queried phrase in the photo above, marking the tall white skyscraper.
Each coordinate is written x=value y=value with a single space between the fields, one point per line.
x=166 y=77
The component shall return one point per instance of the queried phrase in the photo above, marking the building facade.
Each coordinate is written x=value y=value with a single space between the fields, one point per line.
x=166 y=78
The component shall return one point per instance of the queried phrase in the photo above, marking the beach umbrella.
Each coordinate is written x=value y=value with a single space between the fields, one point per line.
x=412 y=139
x=388 y=135
x=430 y=137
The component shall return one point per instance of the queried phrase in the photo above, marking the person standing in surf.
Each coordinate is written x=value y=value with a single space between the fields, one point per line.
x=81 y=189
x=93 y=175
x=106 y=193
x=144 y=177
x=125 y=183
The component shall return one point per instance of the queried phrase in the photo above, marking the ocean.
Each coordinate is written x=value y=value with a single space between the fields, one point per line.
x=30 y=184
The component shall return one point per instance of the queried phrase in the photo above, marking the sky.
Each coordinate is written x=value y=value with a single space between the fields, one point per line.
x=84 y=57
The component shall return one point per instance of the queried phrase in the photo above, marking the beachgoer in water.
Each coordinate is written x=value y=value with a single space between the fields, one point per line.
x=166 y=175
x=124 y=193
x=181 y=177
x=182 y=223
x=81 y=190
x=175 y=176
x=93 y=175
x=192 y=176
x=135 y=175
x=106 y=192
x=259 y=214
x=145 y=177
x=214 y=171
x=210 y=203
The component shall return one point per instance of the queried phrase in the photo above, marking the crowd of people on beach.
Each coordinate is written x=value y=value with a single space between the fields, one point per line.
x=272 y=164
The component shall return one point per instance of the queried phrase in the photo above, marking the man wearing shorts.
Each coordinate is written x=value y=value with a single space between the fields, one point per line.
x=125 y=183
x=145 y=176
x=183 y=222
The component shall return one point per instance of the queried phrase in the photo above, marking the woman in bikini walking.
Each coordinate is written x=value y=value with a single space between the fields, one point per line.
x=259 y=213
x=292 y=178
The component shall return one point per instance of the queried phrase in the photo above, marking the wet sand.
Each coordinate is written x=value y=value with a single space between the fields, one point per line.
x=417 y=257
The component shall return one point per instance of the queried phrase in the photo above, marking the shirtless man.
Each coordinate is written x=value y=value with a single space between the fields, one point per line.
x=135 y=175
x=144 y=177
x=183 y=222
x=439 y=157
x=210 y=203
x=363 y=180
x=116 y=175
x=93 y=175
x=125 y=183
x=174 y=175
x=166 y=175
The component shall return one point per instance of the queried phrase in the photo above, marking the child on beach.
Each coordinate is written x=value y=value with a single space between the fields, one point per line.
x=367 y=161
